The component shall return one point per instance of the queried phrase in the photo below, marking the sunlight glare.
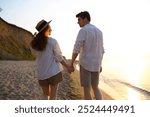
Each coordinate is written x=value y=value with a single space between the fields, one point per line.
x=134 y=67
x=133 y=95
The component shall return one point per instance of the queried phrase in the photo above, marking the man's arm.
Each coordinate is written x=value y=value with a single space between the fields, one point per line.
x=74 y=56
x=78 y=44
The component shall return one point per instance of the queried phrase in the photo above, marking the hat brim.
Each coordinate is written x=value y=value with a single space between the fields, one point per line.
x=44 y=26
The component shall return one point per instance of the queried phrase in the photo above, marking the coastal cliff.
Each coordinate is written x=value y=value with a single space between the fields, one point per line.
x=14 y=42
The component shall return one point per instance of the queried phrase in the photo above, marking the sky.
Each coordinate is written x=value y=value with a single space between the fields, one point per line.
x=125 y=23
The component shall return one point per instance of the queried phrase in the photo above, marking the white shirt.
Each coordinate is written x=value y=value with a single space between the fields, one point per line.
x=89 y=44
x=47 y=61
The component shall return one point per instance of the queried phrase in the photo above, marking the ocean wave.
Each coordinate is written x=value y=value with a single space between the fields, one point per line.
x=136 y=88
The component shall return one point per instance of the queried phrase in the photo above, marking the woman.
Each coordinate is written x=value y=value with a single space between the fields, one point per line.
x=48 y=59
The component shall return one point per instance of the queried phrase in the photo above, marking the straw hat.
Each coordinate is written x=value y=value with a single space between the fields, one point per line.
x=41 y=25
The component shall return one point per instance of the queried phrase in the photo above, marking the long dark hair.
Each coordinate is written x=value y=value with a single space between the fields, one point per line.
x=39 y=42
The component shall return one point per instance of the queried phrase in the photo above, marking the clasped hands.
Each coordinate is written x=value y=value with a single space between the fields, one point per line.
x=70 y=68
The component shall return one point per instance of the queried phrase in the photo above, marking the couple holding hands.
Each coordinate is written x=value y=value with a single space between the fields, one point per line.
x=49 y=60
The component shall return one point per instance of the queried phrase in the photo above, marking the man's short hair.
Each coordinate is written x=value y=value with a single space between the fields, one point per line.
x=84 y=15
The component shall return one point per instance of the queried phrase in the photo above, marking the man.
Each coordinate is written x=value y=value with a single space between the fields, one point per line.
x=89 y=44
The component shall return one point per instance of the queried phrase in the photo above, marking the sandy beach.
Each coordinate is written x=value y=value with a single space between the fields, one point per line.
x=18 y=81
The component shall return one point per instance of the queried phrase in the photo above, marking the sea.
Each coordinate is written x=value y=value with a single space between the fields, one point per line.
x=129 y=77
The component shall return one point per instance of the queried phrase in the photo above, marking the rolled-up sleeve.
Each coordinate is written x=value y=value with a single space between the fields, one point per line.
x=79 y=41
x=57 y=52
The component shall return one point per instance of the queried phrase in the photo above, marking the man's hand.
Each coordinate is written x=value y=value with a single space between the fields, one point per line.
x=70 y=69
